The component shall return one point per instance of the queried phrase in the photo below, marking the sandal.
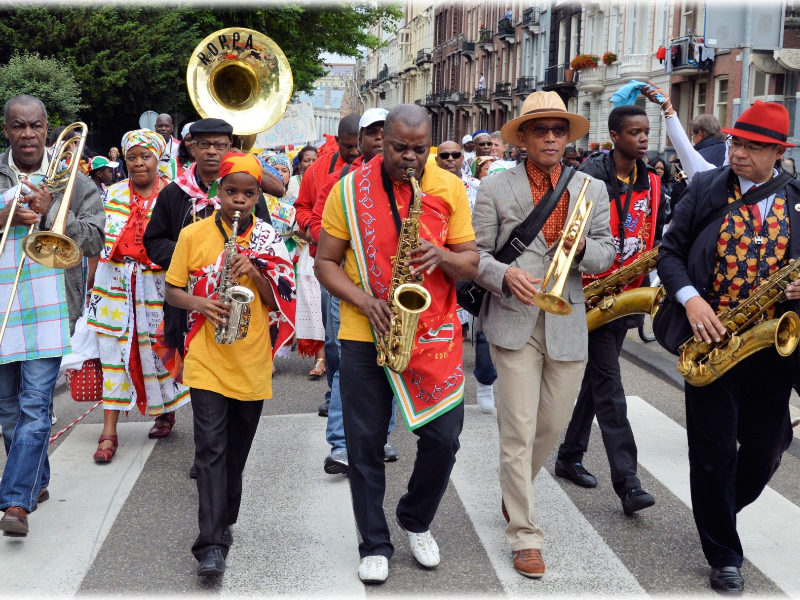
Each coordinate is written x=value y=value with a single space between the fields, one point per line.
x=319 y=369
x=164 y=430
x=104 y=455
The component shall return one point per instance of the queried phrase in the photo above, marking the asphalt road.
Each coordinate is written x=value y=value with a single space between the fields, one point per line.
x=126 y=528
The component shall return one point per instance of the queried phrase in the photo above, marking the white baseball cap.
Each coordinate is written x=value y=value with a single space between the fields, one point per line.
x=466 y=139
x=372 y=115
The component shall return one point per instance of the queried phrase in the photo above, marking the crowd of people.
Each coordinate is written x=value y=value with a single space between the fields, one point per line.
x=318 y=243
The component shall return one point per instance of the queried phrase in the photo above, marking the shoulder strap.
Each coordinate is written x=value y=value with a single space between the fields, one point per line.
x=753 y=195
x=345 y=171
x=524 y=233
x=334 y=158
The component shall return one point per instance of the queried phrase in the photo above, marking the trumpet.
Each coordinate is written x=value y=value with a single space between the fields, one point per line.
x=553 y=301
x=50 y=248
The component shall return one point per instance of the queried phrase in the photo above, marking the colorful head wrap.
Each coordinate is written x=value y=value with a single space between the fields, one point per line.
x=274 y=160
x=185 y=129
x=236 y=162
x=144 y=137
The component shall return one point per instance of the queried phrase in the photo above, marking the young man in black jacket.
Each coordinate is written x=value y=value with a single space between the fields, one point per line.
x=634 y=192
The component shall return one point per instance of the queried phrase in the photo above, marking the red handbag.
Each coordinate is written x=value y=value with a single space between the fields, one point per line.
x=86 y=383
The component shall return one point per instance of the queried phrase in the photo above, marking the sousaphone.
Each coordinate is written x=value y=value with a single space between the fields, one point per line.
x=243 y=77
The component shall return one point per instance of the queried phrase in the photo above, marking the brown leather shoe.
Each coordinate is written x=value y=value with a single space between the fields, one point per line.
x=15 y=522
x=505 y=512
x=529 y=562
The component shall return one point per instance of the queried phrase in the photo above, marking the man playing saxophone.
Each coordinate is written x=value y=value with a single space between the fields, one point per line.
x=713 y=259
x=362 y=220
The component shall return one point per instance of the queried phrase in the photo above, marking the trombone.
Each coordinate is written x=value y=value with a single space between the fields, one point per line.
x=553 y=301
x=49 y=248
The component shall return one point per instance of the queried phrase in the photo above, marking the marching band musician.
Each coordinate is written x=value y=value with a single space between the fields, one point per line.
x=539 y=358
x=635 y=195
x=47 y=305
x=711 y=260
x=229 y=382
x=362 y=221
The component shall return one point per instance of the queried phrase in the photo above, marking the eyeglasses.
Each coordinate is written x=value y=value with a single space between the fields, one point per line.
x=446 y=155
x=218 y=145
x=483 y=143
x=751 y=147
x=541 y=131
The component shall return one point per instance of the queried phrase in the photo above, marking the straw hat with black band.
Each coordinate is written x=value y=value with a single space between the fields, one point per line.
x=544 y=105
x=775 y=115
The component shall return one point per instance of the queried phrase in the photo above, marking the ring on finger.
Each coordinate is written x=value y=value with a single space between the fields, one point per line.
x=694 y=326
x=700 y=326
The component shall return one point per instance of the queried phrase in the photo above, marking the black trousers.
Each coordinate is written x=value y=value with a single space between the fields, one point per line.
x=749 y=404
x=224 y=429
x=367 y=400
x=602 y=394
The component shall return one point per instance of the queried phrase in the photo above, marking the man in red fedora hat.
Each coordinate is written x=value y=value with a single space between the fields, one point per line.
x=717 y=252
x=539 y=357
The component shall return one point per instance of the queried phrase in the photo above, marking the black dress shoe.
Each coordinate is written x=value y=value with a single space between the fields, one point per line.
x=193 y=472
x=322 y=411
x=575 y=473
x=227 y=536
x=212 y=564
x=636 y=499
x=727 y=580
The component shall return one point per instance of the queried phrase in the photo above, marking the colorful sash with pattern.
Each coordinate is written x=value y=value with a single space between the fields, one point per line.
x=433 y=383
x=199 y=199
x=268 y=252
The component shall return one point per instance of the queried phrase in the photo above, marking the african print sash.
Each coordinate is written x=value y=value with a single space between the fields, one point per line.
x=187 y=181
x=433 y=383
x=268 y=252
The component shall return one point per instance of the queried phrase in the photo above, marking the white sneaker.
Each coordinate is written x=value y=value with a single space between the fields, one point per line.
x=373 y=569
x=485 y=397
x=424 y=548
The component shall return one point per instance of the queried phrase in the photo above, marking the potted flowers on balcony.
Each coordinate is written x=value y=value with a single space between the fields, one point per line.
x=584 y=61
x=609 y=58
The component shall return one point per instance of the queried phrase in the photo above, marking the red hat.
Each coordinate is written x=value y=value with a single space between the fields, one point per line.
x=765 y=122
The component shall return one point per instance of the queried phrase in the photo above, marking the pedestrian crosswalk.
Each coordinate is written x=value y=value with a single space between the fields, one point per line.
x=296 y=534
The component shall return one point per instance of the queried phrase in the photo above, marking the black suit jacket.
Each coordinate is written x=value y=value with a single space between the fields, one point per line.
x=687 y=256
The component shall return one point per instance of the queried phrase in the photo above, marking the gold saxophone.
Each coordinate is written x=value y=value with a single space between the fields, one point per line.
x=606 y=301
x=408 y=298
x=748 y=331
x=235 y=297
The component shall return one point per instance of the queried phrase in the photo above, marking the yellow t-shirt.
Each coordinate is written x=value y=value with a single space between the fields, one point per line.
x=242 y=370
x=354 y=325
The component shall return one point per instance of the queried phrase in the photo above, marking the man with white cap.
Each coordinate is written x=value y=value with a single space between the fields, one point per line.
x=469 y=153
x=370 y=142
x=539 y=357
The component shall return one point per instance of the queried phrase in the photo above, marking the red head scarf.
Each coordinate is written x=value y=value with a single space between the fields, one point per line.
x=236 y=162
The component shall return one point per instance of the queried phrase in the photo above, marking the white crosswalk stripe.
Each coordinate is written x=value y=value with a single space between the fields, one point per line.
x=296 y=534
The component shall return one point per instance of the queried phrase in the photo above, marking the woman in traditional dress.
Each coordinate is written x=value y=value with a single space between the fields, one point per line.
x=309 y=328
x=303 y=160
x=126 y=306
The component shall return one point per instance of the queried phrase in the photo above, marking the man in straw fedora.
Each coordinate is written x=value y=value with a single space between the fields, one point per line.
x=539 y=357
x=713 y=258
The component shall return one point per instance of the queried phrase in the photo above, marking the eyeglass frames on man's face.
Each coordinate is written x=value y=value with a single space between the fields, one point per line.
x=447 y=155
x=220 y=146
x=541 y=131
x=751 y=147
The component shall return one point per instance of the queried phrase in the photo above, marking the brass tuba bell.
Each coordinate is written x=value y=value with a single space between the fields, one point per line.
x=243 y=77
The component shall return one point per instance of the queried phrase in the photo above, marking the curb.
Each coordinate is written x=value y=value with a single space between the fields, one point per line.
x=664 y=369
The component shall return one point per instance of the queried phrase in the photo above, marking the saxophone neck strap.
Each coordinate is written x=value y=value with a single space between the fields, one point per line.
x=244 y=226
x=388 y=187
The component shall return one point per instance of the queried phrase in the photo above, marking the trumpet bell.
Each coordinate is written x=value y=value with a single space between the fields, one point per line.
x=241 y=76
x=52 y=250
x=552 y=303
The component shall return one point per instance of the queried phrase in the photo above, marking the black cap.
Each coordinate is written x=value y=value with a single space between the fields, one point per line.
x=211 y=126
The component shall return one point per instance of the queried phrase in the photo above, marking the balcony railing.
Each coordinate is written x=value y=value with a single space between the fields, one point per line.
x=560 y=75
x=430 y=100
x=462 y=99
x=637 y=63
x=682 y=61
x=423 y=56
x=481 y=95
x=383 y=73
x=526 y=85
x=485 y=36
x=468 y=47
x=444 y=95
x=505 y=27
x=502 y=89
x=530 y=16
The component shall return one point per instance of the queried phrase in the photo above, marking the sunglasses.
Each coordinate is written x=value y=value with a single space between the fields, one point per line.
x=483 y=143
x=541 y=131
x=446 y=155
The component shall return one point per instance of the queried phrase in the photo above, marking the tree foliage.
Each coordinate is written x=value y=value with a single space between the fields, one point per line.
x=48 y=79
x=131 y=59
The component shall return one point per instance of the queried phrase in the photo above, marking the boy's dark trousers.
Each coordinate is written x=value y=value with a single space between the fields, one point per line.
x=224 y=429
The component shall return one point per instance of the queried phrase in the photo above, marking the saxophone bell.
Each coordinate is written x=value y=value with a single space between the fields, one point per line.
x=235 y=297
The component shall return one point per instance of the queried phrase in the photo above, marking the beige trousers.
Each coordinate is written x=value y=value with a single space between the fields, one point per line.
x=535 y=397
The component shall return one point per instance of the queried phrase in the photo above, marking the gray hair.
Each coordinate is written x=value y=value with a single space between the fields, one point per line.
x=23 y=99
x=708 y=124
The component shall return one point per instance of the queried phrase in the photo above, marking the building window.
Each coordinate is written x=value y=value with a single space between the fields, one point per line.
x=721 y=100
x=700 y=98
x=760 y=86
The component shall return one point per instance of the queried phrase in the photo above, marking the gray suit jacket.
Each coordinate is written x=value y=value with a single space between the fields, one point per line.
x=504 y=200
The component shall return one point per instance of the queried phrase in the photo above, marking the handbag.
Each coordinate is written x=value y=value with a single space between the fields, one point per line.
x=468 y=293
x=670 y=325
x=86 y=383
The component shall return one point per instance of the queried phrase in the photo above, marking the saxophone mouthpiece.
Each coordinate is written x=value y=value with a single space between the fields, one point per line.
x=411 y=173
x=237 y=214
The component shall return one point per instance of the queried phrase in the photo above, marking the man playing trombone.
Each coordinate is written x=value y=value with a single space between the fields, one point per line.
x=41 y=309
x=539 y=358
